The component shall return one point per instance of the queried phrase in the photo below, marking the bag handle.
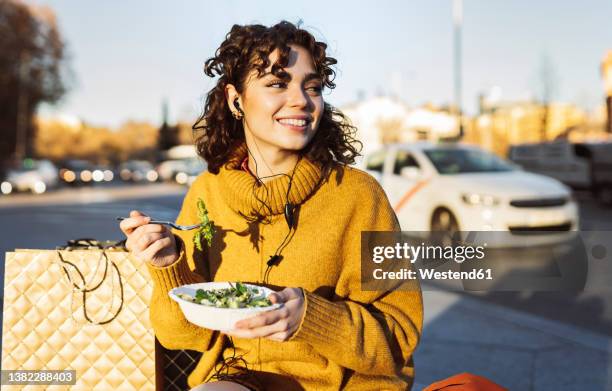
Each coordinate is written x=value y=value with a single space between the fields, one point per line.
x=83 y=288
x=91 y=244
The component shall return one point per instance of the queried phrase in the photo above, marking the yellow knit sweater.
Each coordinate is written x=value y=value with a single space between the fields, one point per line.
x=349 y=338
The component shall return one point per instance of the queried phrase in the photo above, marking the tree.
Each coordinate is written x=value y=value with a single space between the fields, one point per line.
x=33 y=66
x=57 y=139
x=168 y=135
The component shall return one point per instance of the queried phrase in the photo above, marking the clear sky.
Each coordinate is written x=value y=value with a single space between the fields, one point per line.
x=127 y=56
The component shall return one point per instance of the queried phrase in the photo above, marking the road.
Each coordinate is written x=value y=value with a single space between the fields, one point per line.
x=49 y=220
x=591 y=310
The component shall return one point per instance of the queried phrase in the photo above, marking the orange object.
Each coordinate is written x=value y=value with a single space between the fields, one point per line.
x=465 y=382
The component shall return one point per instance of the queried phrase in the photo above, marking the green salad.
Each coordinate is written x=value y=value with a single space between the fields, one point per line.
x=206 y=229
x=237 y=296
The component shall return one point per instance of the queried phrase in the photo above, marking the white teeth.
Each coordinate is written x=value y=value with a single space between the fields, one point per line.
x=294 y=122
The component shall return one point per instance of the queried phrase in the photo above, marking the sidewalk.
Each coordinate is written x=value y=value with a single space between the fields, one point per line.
x=516 y=350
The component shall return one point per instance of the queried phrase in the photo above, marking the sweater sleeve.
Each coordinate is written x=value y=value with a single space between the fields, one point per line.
x=370 y=332
x=171 y=328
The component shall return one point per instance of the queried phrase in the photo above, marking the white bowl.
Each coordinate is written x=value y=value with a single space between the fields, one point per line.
x=222 y=319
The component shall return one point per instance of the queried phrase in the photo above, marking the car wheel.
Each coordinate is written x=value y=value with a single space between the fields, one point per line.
x=444 y=228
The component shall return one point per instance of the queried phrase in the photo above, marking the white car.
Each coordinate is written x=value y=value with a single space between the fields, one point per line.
x=138 y=171
x=36 y=176
x=193 y=168
x=168 y=169
x=456 y=187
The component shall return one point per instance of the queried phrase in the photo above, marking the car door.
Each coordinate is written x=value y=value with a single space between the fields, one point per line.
x=400 y=180
x=375 y=164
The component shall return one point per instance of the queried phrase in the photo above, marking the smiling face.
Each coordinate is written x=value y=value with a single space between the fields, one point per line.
x=282 y=113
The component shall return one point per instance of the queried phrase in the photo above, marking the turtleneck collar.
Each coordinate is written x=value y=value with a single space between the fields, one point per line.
x=244 y=195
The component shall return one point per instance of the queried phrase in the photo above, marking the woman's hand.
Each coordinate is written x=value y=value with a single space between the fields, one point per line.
x=149 y=242
x=279 y=324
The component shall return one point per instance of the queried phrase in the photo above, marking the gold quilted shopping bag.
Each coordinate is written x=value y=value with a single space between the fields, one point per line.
x=83 y=310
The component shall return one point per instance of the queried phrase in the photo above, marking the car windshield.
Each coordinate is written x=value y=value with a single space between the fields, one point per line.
x=25 y=167
x=459 y=161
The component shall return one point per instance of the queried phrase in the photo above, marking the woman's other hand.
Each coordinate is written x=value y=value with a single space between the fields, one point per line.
x=154 y=243
x=279 y=324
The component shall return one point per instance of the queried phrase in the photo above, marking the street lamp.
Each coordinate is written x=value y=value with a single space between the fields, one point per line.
x=606 y=72
x=458 y=22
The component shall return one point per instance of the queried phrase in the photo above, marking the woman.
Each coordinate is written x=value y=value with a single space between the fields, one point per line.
x=288 y=213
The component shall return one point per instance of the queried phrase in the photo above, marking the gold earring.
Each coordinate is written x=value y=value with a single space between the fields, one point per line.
x=237 y=116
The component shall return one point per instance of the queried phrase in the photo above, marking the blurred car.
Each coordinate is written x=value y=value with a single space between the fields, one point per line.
x=138 y=171
x=585 y=166
x=455 y=187
x=193 y=168
x=76 y=172
x=36 y=176
x=102 y=173
x=168 y=169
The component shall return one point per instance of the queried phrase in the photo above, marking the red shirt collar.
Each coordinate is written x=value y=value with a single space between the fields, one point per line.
x=245 y=166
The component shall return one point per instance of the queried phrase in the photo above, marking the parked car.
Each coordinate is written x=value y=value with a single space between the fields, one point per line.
x=102 y=173
x=36 y=176
x=586 y=166
x=456 y=187
x=193 y=168
x=138 y=171
x=168 y=169
x=76 y=172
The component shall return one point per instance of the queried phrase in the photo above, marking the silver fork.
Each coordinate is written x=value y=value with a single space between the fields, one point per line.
x=169 y=223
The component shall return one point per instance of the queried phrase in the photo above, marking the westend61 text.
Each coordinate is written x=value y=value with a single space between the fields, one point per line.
x=431 y=274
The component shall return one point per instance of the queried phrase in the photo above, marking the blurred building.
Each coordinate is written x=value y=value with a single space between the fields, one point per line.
x=606 y=72
x=383 y=119
x=500 y=124
x=593 y=129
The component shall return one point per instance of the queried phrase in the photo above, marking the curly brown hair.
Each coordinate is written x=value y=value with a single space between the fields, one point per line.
x=246 y=48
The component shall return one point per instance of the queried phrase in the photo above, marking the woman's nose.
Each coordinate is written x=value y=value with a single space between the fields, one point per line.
x=298 y=98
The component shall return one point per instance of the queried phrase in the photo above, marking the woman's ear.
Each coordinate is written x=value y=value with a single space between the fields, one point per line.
x=233 y=98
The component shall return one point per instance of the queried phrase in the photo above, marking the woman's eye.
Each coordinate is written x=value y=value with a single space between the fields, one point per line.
x=277 y=84
x=316 y=89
